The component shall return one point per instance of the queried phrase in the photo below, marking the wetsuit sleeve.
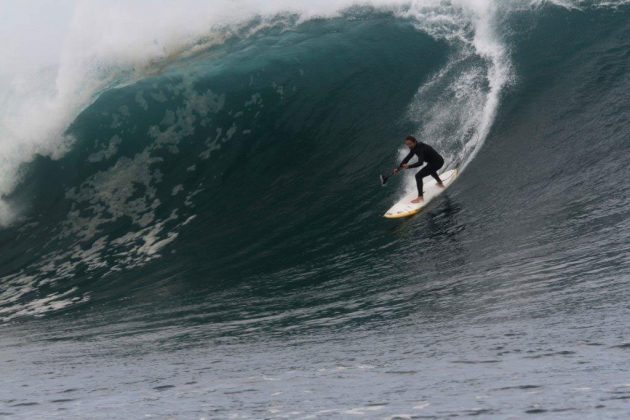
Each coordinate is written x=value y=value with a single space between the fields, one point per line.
x=406 y=159
x=420 y=160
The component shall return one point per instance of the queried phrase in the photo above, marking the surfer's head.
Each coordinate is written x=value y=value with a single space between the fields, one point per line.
x=410 y=142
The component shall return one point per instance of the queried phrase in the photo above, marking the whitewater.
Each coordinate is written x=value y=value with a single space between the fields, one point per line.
x=191 y=217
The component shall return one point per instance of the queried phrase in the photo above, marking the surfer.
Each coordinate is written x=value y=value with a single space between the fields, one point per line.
x=425 y=153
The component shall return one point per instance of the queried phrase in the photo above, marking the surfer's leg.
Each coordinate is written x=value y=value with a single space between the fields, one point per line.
x=434 y=174
x=419 y=177
x=426 y=171
x=437 y=178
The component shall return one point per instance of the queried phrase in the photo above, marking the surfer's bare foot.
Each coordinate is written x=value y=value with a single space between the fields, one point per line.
x=439 y=184
x=417 y=200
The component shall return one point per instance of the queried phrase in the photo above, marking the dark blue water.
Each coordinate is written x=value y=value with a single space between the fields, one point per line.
x=212 y=245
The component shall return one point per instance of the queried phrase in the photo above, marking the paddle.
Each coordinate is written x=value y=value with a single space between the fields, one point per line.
x=384 y=178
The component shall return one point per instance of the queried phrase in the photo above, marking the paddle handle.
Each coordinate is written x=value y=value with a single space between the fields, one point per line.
x=394 y=172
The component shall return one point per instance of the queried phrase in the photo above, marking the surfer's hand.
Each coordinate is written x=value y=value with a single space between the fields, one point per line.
x=396 y=170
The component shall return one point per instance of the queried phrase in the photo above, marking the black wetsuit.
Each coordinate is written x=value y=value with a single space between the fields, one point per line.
x=426 y=154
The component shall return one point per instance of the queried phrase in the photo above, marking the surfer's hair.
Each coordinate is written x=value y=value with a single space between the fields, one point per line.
x=411 y=138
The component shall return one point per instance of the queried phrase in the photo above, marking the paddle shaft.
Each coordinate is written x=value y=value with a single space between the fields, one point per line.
x=394 y=172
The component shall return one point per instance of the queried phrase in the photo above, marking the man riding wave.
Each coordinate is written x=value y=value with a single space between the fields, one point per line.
x=425 y=153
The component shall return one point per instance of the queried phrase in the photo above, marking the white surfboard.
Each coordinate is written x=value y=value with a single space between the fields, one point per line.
x=405 y=208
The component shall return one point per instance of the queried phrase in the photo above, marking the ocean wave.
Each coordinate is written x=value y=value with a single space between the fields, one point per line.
x=220 y=146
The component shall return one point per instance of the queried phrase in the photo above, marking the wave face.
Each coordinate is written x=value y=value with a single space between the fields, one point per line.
x=194 y=200
x=216 y=154
x=244 y=158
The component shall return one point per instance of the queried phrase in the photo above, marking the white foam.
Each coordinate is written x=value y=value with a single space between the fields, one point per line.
x=455 y=109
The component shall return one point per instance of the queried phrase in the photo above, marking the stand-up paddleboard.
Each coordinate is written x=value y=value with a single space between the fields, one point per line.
x=405 y=208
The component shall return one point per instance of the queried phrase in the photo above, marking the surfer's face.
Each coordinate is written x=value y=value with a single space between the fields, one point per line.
x=410 y=144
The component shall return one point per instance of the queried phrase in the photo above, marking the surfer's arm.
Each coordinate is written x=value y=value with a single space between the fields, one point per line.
x=405 y=160
x=418 y=163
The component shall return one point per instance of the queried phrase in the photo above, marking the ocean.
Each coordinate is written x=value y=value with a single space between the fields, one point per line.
x=192 y=219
